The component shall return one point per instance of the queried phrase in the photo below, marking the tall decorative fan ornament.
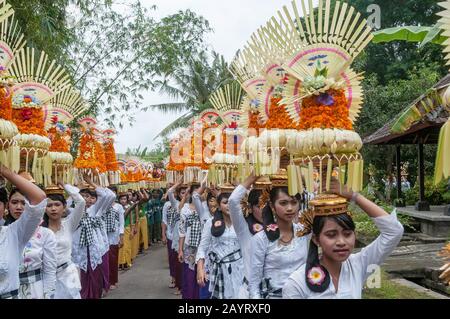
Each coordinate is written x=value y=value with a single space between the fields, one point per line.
x=269 y=63
x=112 y=166
x=38 y=81
x=178 y=154
x=442 y=167
x=228 y=160
x=244 y=68
x=323 y=94
x=58 y=114
x=11 y=41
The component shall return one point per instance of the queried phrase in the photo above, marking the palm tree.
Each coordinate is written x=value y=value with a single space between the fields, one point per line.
x=192 y=84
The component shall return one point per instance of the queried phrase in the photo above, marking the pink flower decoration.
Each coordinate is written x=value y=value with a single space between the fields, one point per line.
x=27 y=260
x=316 y=276
x=218 y=223
x=272 y=227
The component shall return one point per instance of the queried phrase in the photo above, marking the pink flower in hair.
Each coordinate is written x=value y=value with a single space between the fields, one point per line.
x=272 y=227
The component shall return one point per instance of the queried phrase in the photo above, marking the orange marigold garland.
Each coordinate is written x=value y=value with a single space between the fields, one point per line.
x=100 y=154
x=253 y=121
x=328 y=110
x=29 y=120
x=279 y=117
x=5 y=103
x=59 y=141
x=110 y=156
x=87 y=156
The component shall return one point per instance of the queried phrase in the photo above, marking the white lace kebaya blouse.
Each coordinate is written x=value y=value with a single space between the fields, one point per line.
x=274 y=261
x=40 y=253
x=13 y=239
x=68 y=226
x=105 y=198
x=356 y=269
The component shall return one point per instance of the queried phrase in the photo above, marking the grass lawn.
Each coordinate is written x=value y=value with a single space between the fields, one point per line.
x=392 y=290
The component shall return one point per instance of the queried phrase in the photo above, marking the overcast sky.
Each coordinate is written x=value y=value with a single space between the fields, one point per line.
x=233 y=22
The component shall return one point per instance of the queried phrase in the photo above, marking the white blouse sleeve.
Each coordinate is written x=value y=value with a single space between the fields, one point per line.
x=236 y=214
x=105 y=198
x=205 y=242
x=182 y=227
x=121 y=220
x=259 y=244
x=292 y=288
x=74 y=218
x=49 y=266
x=164 y=212
x=199 y=206
x=26 y=225
x=374 y=254
x=173 y=201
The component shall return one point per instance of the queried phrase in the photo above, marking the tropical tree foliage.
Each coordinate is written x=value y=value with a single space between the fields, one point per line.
x=158 y=154
x=114 y=51
x=192 y=85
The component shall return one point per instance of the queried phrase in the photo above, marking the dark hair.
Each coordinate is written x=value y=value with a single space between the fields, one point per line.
x=268 y=214
x=113 y=188
x=219 y=229
x=3 y=196
x=253 y=197
x=210 y=196
x=122 y=195
x=88 y=191
x=58 y=198
x=14 y=191
x=343 y=220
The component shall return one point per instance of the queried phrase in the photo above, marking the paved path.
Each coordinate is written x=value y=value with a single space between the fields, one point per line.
x=147 y=279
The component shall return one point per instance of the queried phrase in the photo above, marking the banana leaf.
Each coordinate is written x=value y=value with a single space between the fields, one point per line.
x=422 y=35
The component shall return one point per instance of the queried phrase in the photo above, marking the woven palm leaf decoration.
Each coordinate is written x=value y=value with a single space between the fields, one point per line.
x=228 y=161
x=323 y=48
x=38 y=81
x=322 y=94
x=58 y=113
x=6 y=10
x=444 y=22
x=227 y=101
x=244 y=67
x=268 y=60
x=11 y=41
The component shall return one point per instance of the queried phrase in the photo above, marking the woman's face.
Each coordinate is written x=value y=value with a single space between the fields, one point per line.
x=16 y=205
x=336 y=242
x=55 y=209
x=212 y=204
x=286 y=207
x=123 y=200
x=182 y=192
x=224 y=206
x=90 y=200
